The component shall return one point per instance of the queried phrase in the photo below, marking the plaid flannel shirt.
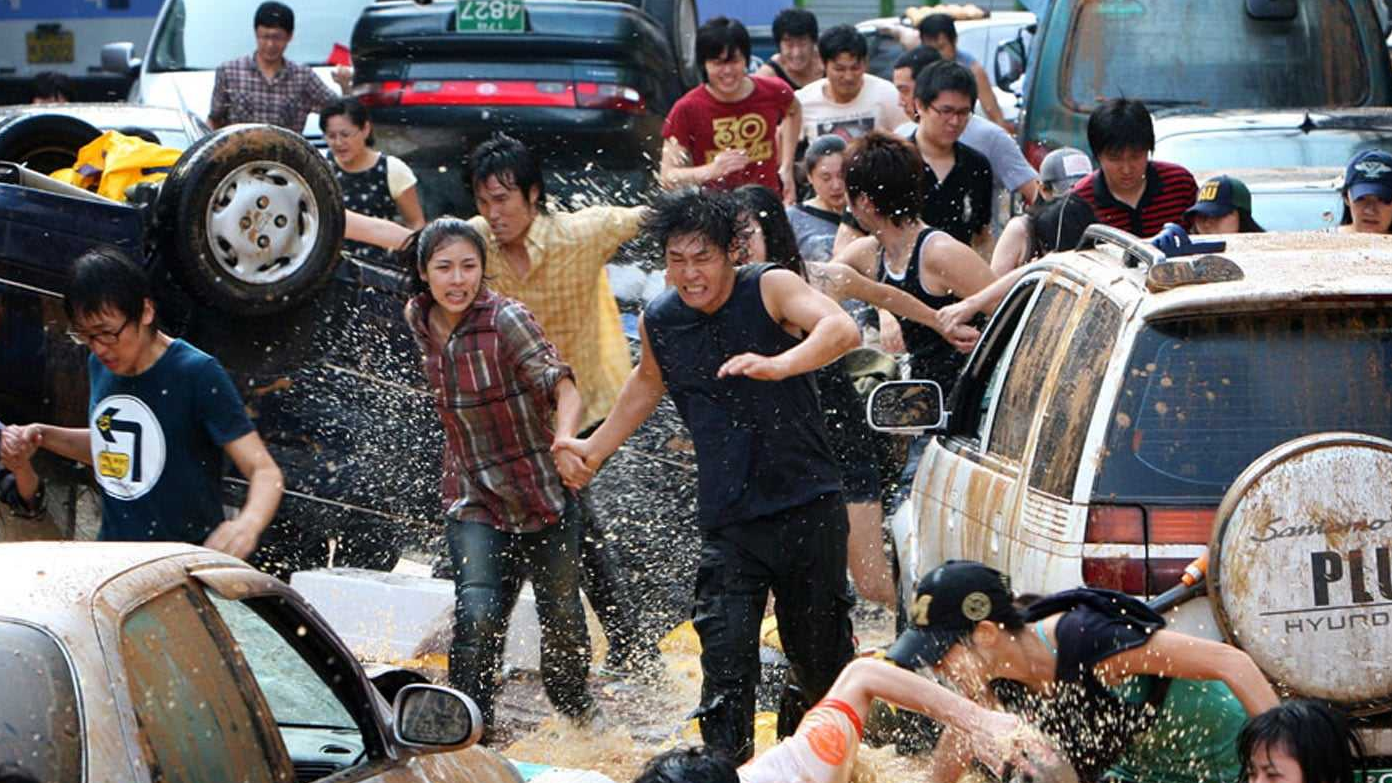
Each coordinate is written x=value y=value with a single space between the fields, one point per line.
x=242 y=94
x=494 y=382
x=568 y=290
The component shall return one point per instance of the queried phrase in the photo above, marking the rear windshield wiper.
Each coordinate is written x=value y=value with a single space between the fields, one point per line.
x=1168 y=102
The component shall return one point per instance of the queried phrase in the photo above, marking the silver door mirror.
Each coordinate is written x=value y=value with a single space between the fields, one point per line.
x=430 y=717
x=119 y=58
x=907 y=407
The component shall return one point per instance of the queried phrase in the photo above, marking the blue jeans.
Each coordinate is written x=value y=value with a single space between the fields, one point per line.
x=489 y=567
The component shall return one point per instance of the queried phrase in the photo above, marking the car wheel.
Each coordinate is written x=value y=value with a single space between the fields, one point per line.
x=45 y=142
x=678 y=20
x=252 y=220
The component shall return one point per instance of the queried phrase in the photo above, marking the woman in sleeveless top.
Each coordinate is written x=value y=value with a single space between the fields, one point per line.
x=373 y=183
x=769 y=238
x=1094 y=670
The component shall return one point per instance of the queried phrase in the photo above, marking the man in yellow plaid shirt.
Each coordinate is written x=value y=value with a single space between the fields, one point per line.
x=554 y=264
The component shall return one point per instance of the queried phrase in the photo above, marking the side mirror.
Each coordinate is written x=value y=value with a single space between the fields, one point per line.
x=433 y=718
x=1010 y=63
x=119 y=58
x=1272 y=10
x=911 y=407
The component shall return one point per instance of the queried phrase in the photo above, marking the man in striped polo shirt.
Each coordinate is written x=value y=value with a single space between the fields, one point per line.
x=1130 y=191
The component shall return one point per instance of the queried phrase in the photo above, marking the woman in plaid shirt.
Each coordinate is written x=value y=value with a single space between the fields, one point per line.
x=499 y=385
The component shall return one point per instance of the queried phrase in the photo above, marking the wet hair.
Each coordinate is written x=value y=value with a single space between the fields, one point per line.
x=51 y=85
x=888 y=170
x=1247 y=225
x=689 y=765
x=273 y=14
x=1059 y=224
x=719 y=39
x=934 y=25
x=917 y=58
x=794 y=23
x=350 y=108
x=514 y=166
x=761 y=204
x=710 y=214
x=822 y=146
x=1121 y=124
x=1314 y=734
x=944 y=76
x=842 y=39
x=105 y=278
x=416 y=251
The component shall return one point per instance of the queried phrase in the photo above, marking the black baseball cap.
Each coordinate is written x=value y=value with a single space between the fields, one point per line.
x=1220 y=195
x=949 y=602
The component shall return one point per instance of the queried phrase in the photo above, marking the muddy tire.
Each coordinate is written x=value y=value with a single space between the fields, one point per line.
x=677 y=18
x=252 y=220
x=45 y=142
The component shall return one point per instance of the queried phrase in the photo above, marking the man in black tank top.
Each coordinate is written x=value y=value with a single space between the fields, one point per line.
x=736 y=348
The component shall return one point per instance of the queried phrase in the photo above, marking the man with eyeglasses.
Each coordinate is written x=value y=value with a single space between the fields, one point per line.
x=161 y=416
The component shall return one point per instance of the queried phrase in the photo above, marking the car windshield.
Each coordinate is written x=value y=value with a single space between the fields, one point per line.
x=1204 y=397
x=40 y=732
x=1266 y=149
x=201 y=34
x=1200 y=53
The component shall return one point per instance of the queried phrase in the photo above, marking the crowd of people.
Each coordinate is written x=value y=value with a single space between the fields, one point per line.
x=805 y=204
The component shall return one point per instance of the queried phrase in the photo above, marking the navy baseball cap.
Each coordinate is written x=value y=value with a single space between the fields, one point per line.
x=1369 y=173
x=948 y=603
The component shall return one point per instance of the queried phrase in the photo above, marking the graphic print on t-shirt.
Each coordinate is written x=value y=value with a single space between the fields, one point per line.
x=128 y=449
x=848 y=128
x=749 y=132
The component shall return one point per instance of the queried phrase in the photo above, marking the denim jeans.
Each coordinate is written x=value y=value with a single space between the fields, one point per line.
x=489 y=567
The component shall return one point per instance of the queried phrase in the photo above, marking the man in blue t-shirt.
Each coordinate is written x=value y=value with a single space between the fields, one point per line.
x=161 y=415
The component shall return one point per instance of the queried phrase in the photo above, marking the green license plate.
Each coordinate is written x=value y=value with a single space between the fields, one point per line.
x=48 y=47
x=490 y=16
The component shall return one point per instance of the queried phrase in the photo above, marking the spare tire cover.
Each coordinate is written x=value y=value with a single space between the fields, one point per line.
x=1301 y=567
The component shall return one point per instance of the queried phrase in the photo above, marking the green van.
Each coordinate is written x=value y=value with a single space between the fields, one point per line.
x=1199 y=55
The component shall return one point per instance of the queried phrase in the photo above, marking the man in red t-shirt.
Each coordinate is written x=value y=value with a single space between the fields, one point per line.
x=734 y=129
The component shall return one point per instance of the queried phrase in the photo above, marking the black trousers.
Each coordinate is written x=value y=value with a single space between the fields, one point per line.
x=489 y=567
x=799 y=554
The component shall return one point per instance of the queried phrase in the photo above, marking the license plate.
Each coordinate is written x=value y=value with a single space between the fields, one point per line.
x=48 y=47
x=490 y=16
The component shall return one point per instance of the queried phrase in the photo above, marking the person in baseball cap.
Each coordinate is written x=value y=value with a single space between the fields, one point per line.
x=1062 y=169
x=1368 y=193
x=949 y=602
x=1224 y=207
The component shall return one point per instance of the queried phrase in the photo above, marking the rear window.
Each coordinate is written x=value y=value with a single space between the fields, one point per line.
x=39 y=728
x=1270 y=149
x=1201 y=53
x=1204 y=397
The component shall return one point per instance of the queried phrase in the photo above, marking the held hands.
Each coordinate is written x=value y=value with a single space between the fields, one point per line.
x=18 y=445
x=756 y=366
x=575 y=461
x=958 y=314
x=962 y=338
x=891 y=334
x=234 y=537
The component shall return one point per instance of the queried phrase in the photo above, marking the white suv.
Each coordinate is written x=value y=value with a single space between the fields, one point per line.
x=1101 y=420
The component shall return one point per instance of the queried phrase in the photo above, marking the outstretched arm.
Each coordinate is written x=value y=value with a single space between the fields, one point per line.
x=984 y=301
x=790 y=301
x=843 y=282
x=1173 y=654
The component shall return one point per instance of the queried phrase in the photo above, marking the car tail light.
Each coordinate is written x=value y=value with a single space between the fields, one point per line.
x=1035 y=152
x=1142 y=525
x=589 y=95
x=379 y=94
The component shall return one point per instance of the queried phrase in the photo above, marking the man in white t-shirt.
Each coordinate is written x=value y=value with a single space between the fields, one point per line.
x=847 y=101
x=824 y=748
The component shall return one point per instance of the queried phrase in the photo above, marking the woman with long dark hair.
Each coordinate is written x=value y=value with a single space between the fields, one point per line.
x=373 y=183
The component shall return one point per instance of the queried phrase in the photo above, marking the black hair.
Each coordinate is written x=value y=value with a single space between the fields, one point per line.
x=794 y=23
x=1120 y=123
x=51 y=85
x=707 y=213
x=422 y=244
x=512 y=163
x=350 y=108
x=944 y=76
x=106 y=278
x=719 y=39
x=273 y=14
x=140 y=133
x=1246 y=224
x=934 y=25
x=917 y=58
x=842 y=39
x=761 y=204
x=888 y=170
x=1058 y=224
x=1317 y=736
x=689 y=765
